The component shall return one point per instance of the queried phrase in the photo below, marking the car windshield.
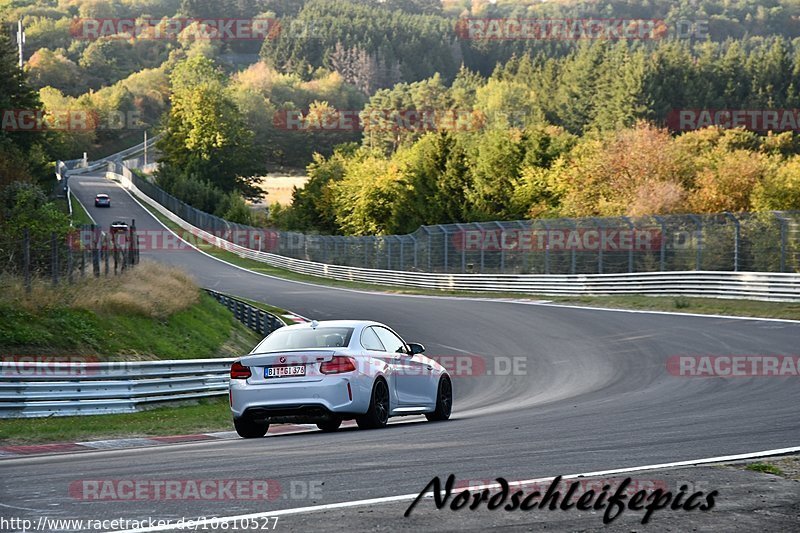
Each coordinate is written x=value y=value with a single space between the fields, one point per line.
x=299 y=339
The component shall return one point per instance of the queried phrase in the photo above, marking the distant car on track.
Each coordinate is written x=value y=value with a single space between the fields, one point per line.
x=102 y=200
x=325 y=372
x=119 y=226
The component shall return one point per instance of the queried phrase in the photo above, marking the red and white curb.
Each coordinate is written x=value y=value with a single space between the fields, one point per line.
x=294 y=319
x=24 y=450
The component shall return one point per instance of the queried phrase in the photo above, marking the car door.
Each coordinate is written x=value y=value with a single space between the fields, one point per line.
x=413 y=376
x=375 y=350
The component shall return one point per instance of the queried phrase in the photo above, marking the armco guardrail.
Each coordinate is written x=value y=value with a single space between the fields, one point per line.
x=37 y=389
x=752 y=285
x=742 y=242
x=254 y=318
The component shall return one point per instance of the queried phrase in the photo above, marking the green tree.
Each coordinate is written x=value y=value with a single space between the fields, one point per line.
x=205 y=137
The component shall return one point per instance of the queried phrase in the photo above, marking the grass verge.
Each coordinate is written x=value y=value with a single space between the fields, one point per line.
x=765 y=469
x=646 y=303
x=150 y=312
x=202 y=416
x=79 y=214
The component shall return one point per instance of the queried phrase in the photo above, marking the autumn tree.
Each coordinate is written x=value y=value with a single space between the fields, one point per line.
x=205 y=137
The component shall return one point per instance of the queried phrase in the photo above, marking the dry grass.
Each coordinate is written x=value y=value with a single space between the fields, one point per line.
x=149 y=290
x=279 y=189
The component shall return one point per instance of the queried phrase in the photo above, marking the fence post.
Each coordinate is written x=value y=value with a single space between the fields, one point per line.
x=463 y=251
x=430 y=248
x=782 y=222
x=26 y=259
x=106 y=250
x=502 y=248
x=633 y=241
x=416 y=252
x=482 y=245
x=444 y=240
x=96 y=244
x=70 y=277
x=402 y=258
x=699 y=258
x=736 y=236
x=573 y=257
x=546 y=247
x=519 y=245
x=54 y=257
x=663 y=242
x=600 y=228
x=134 y=245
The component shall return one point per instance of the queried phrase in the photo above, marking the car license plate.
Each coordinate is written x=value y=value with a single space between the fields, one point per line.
x=285 y=371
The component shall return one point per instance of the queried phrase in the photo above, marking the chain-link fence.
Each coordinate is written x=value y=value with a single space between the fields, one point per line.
x=757 y=242
x=62 y=257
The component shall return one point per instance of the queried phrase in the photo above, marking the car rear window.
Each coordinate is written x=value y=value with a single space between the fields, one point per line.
x=300 y=339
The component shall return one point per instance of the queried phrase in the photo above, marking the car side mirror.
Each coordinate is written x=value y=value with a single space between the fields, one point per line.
x=415 y=348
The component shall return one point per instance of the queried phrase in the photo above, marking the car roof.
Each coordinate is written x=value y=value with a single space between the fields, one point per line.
x=336 y=324
x=102 y=195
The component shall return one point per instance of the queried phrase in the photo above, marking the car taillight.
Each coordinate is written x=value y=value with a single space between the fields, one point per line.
x=338 y=365
x=239 y=371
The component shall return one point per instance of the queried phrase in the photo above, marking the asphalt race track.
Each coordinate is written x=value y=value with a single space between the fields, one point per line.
x=592 y=393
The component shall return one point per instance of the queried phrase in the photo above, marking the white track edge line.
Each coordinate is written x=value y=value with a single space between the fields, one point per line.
x=82 y=206
x=408 y=497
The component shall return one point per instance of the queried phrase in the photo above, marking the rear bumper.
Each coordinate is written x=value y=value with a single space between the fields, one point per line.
x=299 y=402
x=292 y=414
